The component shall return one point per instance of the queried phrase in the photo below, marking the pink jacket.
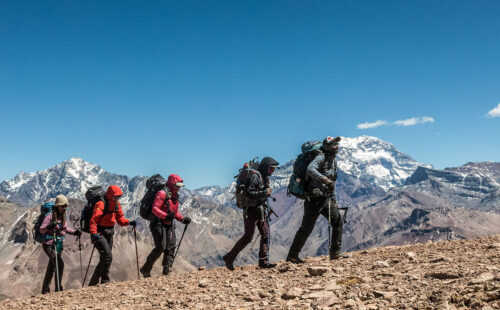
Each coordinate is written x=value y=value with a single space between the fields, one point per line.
x=162 y=209
x=60 y=231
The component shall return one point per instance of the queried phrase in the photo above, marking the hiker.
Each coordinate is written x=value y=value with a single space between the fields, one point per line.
x=102 y=230
x=165 y=210
x=257 y=190
x=321 y=175
x=55 y=223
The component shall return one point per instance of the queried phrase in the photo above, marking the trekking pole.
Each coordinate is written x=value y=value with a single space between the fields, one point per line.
x=136 y=253
x=58 y=285
x=268 y=232
x=86 y=272
x=179 y=245
x=330 y=228
x=80 y=249
x=251 y=248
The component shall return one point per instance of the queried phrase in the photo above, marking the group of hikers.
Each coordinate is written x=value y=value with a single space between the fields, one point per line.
x=313 y=179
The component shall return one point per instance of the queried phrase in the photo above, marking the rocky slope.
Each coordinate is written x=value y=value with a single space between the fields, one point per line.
x=462 y=274
x=455 y=203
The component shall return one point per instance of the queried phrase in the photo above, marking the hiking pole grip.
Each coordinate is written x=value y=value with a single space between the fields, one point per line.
x=136 y=253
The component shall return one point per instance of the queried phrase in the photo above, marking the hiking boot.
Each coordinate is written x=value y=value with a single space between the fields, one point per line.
x=144 y=273
x=295 y=260
x=267 y=266
x=166 y=271
x=229 y=262
x=339 y=255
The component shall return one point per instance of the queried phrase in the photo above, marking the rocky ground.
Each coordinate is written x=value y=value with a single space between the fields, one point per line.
x=461 y=274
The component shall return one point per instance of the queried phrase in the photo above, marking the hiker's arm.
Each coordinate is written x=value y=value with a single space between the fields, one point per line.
x=158 y=203
x=254 y=190
x=120 y=216
x=96 y=215
x=178 y=216
x=67 y=229
x=45 y=223
x=313 y=169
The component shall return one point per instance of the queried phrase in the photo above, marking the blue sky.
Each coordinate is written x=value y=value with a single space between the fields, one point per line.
x=198 y=87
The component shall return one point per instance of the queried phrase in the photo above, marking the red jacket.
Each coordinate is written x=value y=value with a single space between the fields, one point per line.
x=111 y=217
x=162 y=209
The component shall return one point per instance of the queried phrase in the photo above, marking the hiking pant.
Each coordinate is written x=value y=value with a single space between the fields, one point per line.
x=312 y=210
x=104 y=245
x=253 y=217
x=164 y=239
x=51 y=268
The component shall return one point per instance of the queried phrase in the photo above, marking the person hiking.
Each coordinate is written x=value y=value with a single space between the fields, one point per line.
x=165 y=210
x=320 y=199
x=55 y=224
x=258 y=190
x=102 y=230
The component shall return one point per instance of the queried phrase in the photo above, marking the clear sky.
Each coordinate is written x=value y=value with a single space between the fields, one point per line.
x=198 y=87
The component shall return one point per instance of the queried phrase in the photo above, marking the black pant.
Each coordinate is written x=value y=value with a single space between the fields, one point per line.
x=312 y=210
x=254 y=217
x=104 y=245
x=164 y=239
x=51 y=267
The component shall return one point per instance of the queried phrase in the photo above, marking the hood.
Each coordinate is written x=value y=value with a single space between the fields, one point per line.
x=172 y=179
x=113 y=190
x=265 y=163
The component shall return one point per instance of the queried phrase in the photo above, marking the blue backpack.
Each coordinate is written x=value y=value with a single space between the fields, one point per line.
x=45 y=210
x=297 y=185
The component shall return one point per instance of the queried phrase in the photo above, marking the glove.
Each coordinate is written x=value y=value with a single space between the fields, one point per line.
x=51 y=226
x=132 y=223
x=186 y=220
x=327 y=181
x=95 y=237
x=78 y=233
x=269 y=191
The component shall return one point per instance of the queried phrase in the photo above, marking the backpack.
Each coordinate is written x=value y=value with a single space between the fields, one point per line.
x=297 y=185
x=93 y=196
x=242 y=179
x=45 y=209
x=154 y=184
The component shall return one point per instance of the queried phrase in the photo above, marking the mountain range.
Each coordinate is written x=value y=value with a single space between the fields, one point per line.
x=392 y=200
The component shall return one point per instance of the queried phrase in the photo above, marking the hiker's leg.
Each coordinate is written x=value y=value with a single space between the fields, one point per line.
x=311 y=213
x=60 y=264
x=264 y=235
x=160 y=242
x=250 y=220
x=108 y=258
x=49 y=250
x=337 y=226
x=168 y=255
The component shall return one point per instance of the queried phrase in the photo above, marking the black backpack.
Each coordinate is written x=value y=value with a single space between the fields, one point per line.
x=154 y=184
x=297 y=185
x=93 y=196
x=242 y=179
x=45 y=210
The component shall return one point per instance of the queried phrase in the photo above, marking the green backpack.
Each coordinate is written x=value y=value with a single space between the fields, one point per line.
x=297 y=185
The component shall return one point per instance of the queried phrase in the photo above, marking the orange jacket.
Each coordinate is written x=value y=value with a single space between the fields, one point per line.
x=112 y=216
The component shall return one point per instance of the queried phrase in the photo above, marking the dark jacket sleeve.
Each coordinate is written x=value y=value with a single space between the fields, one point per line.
x=314 y=167
x=255 y=190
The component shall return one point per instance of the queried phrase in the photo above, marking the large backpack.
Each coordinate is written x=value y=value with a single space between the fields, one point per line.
x=93 y=196
x=242 y=179
x=45 y=210
x=297 y=185
x=154 y=184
